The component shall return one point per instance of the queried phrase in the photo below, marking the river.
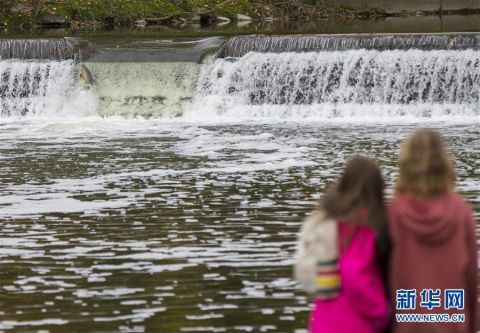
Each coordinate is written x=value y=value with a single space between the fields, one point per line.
x=168 y=197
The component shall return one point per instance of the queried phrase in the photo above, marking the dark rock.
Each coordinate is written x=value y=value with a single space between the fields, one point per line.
x=53 y=21
x=205 y=18
x=110 y=21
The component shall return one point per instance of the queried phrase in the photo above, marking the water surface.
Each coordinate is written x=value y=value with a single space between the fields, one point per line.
x=168 y=195
x=174 y=226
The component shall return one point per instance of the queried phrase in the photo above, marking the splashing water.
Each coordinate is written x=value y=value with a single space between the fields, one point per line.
x=355 y=83
x=42 y=88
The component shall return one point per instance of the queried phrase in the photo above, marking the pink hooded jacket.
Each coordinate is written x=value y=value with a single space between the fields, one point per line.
x=363 y=305
x=434 y=246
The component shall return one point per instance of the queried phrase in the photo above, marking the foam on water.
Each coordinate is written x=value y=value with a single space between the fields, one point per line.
x=158 y=223
x=55 y=195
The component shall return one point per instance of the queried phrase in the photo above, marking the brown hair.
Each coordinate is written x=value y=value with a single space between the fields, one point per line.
x=358 y=195
x=426 y=168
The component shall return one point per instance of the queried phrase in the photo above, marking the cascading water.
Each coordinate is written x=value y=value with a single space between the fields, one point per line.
x=343 y=84
x=146 y=89
x=41 y=88
x=287 y=77
x=51 y=49
x=240 y=45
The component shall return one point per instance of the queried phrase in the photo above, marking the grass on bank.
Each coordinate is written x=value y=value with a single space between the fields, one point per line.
x=25 y=12
x=16 y=11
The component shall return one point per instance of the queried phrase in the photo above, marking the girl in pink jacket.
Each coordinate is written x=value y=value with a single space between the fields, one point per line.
x=346 y=241
x=434 y=243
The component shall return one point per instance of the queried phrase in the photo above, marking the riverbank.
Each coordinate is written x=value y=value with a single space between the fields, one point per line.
x=71 y=13
x=197 y=17
x=176 y=13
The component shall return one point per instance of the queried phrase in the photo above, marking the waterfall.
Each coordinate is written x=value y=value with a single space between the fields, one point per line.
x=40 y=88
x=49 y=88
x=37 y=77
x=287 y=77
x=343 y=83
x=147 y=89
x=240 y=45
x=47 y=49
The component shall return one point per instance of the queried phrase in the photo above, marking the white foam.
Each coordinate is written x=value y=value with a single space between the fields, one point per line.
x=38 y=89
x=10 y=324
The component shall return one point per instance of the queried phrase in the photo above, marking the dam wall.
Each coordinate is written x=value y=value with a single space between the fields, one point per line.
x=252 y=76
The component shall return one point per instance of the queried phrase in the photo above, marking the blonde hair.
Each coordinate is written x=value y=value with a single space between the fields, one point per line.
x=426 y=168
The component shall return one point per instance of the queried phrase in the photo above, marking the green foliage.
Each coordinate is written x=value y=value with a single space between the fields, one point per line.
x=15 y=12
x=129 y=10
x=100 y=9
x=5 y=8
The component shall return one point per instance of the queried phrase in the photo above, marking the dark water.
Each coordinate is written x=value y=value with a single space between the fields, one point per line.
x=132 y=225
x=408 y=24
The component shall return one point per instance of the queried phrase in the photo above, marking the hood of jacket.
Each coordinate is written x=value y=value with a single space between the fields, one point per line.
x=431 y=220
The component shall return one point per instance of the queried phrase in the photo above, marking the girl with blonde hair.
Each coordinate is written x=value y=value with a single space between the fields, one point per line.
x=432 y=230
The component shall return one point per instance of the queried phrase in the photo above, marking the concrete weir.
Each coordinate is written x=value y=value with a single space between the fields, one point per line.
x=39 y=49
x=148 y=78
x=255 y=73
x=240 y=45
